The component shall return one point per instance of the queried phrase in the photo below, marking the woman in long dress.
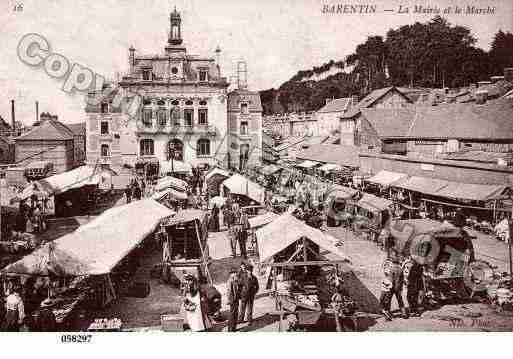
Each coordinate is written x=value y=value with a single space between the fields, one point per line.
x=195 y=306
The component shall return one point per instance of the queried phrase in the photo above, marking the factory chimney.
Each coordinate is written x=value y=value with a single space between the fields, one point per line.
x=37 y=111
x=13 y=117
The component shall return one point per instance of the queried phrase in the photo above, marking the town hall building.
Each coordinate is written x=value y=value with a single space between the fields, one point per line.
x=183 y=114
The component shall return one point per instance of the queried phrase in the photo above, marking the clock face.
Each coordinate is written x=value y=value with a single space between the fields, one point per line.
x=174 y=70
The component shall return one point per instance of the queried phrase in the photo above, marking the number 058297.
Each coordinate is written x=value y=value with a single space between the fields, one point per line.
x=76 y=338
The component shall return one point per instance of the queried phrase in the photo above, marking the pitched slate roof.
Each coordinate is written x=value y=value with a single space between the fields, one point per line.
x=337 y=154
x=336 y=105
x=390 y=122
x=48 y=130
x=79 y=129
x=493 y=120
x=370 y=99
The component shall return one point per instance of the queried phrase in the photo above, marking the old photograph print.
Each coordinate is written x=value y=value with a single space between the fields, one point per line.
x=256 y=166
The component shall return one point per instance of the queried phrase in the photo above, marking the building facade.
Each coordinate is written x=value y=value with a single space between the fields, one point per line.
x=79 y=142
x=49 y=140
x=328 y=117
x=183 y=114
x=245 y=128
x=351 y=124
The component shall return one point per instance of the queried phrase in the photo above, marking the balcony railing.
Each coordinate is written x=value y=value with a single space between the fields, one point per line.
x=155 y=127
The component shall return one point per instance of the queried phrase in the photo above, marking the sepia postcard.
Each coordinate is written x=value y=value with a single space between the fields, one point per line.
x=175 y=166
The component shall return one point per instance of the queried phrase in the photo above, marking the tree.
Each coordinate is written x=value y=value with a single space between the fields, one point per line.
x=501 y=52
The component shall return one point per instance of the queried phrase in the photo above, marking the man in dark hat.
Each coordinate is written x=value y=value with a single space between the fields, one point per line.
x=413 y=274
x=233 y=294
x=249 y=289
x=392 y=285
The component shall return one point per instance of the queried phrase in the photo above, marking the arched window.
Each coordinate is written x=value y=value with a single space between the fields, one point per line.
x=105 y=151
x=203 y=147
x=146 y=147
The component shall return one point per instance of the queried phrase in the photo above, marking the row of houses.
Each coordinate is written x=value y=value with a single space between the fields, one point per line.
x=396 y=129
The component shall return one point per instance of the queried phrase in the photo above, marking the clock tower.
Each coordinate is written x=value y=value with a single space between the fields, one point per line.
x=175 y=46
x=175 y=31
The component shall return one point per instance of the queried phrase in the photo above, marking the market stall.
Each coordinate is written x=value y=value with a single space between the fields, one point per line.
x=381 y=183
x=214 y=178
x=186 y=261
x=241 y=186
x=303 y=265
x=371 y=215
x=68 y=193
x=184 y=244
x=81 y=268
x=174 y=167
x=256 y=223
x=171 y=182
x=170 y=195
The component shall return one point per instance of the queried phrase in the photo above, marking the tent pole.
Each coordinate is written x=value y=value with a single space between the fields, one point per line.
x=305 y=252
x=207 y=271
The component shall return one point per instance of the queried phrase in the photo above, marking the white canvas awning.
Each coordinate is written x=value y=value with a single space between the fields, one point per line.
x=62 y=182
x=330 y=167
x=422 y=184
x=216 y=171
x=287 y=229
x=171 y=193
x=386 y=178
x=240 y=185
x=175 y=166
x=262 y=219
x=98 y=246
x=470 y=191
x=308 y=164
x=171 y=182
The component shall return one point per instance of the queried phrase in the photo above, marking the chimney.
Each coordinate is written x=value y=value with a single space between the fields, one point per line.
x=37 y=111
x=508 y=74
x=13 y=116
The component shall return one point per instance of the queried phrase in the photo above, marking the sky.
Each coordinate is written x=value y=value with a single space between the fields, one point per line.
x=276 y=38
